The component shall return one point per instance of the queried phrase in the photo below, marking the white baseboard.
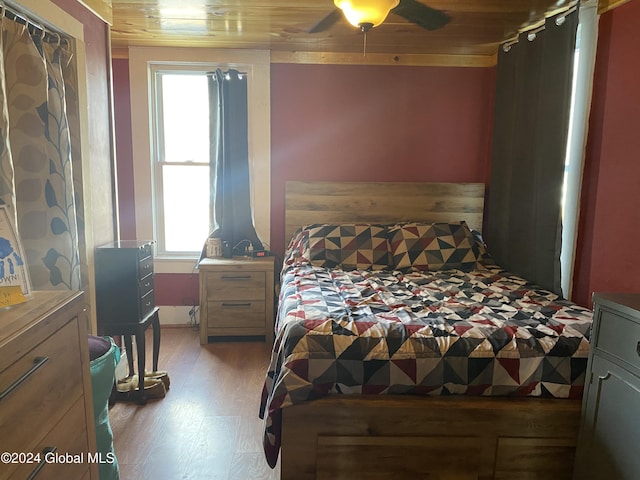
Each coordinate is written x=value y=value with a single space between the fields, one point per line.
x=179 y=315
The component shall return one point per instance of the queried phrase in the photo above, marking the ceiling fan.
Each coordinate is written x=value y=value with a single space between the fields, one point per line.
x=366 y=14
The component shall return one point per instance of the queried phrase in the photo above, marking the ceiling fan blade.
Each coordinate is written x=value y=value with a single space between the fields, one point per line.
x=327 y=22
x=418 y=13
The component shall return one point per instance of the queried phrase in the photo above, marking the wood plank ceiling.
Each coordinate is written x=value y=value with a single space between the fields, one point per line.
x=472 y=37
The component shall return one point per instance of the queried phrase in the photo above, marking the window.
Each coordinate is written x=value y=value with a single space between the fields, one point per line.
x=181 y=160
x=168 y=169
x=584 y=60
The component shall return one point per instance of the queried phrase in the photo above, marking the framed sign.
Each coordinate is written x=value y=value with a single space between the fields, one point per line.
x=13 y=267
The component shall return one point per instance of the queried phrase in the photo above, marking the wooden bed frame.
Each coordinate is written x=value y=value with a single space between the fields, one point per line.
x=392 y=437
x=381 y=202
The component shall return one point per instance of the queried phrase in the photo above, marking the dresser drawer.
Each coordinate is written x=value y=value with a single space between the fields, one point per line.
x=147 y=303
x=236 y=285
x=241 y=314
x=619 y=337
x=146 y=285
x=23 y=411
x=69 y=436
x=145 y=267
x=145 y=250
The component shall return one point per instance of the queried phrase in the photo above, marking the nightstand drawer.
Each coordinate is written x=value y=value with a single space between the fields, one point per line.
x=236 y=285
x=619 y=337
x=58 y=379
x=234 y=313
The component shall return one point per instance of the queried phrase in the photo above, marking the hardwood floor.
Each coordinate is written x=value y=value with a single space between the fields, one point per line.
x=207 y=426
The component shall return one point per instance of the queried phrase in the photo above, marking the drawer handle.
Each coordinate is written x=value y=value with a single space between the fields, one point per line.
x=37 y=363
x=45 y=456
x=638 y=348
x=245 y=304
x=236 y=277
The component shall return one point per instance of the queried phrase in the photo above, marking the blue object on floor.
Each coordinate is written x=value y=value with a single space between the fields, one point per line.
x=104 y=355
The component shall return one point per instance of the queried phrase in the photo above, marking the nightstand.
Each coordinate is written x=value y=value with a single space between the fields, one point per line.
x=236 y=297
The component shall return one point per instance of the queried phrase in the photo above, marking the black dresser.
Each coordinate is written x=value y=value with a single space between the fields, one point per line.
x=125 y=299
x=124 y=281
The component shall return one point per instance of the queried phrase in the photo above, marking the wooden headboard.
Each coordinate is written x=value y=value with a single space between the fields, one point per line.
x=381 y=202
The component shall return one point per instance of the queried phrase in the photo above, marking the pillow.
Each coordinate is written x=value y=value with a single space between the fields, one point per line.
x=429 y=247
x=349 y=246
x=484 y=257
x=297 y=252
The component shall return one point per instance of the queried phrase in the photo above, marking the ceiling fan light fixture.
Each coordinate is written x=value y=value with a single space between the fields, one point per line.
x=366 y=14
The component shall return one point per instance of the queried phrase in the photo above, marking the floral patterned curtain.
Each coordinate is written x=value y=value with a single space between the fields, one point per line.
x=36 y=177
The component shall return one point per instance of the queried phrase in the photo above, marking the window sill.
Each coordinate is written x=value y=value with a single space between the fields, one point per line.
x=169 y=264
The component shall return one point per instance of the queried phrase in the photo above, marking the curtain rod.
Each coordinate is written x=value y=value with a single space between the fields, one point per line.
x=21 y=18
x=226 y=74
x=532 y=30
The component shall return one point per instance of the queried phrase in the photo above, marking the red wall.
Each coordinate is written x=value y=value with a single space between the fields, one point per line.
x=608 y=256
x=434 y=124
x=347 y=123
x=124 y=149
x=369 y=123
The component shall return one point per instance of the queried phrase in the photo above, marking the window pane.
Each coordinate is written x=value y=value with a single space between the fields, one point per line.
x=186 y=207
x=185 y=118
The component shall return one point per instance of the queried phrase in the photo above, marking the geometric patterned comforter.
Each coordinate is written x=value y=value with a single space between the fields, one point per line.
x=483 y=332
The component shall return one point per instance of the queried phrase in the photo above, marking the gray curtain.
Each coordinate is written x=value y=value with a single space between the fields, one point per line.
x=533 y=97
x=232 y=216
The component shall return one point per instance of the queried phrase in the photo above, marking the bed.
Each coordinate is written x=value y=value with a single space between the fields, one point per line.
x=403 y=351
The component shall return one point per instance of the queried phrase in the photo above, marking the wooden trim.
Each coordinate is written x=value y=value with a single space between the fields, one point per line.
x=100 y=8
x=381 y=202
x=606 y=5
x=51 y=15
x=433 y=60
x=121 y=53
x=334 y=58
